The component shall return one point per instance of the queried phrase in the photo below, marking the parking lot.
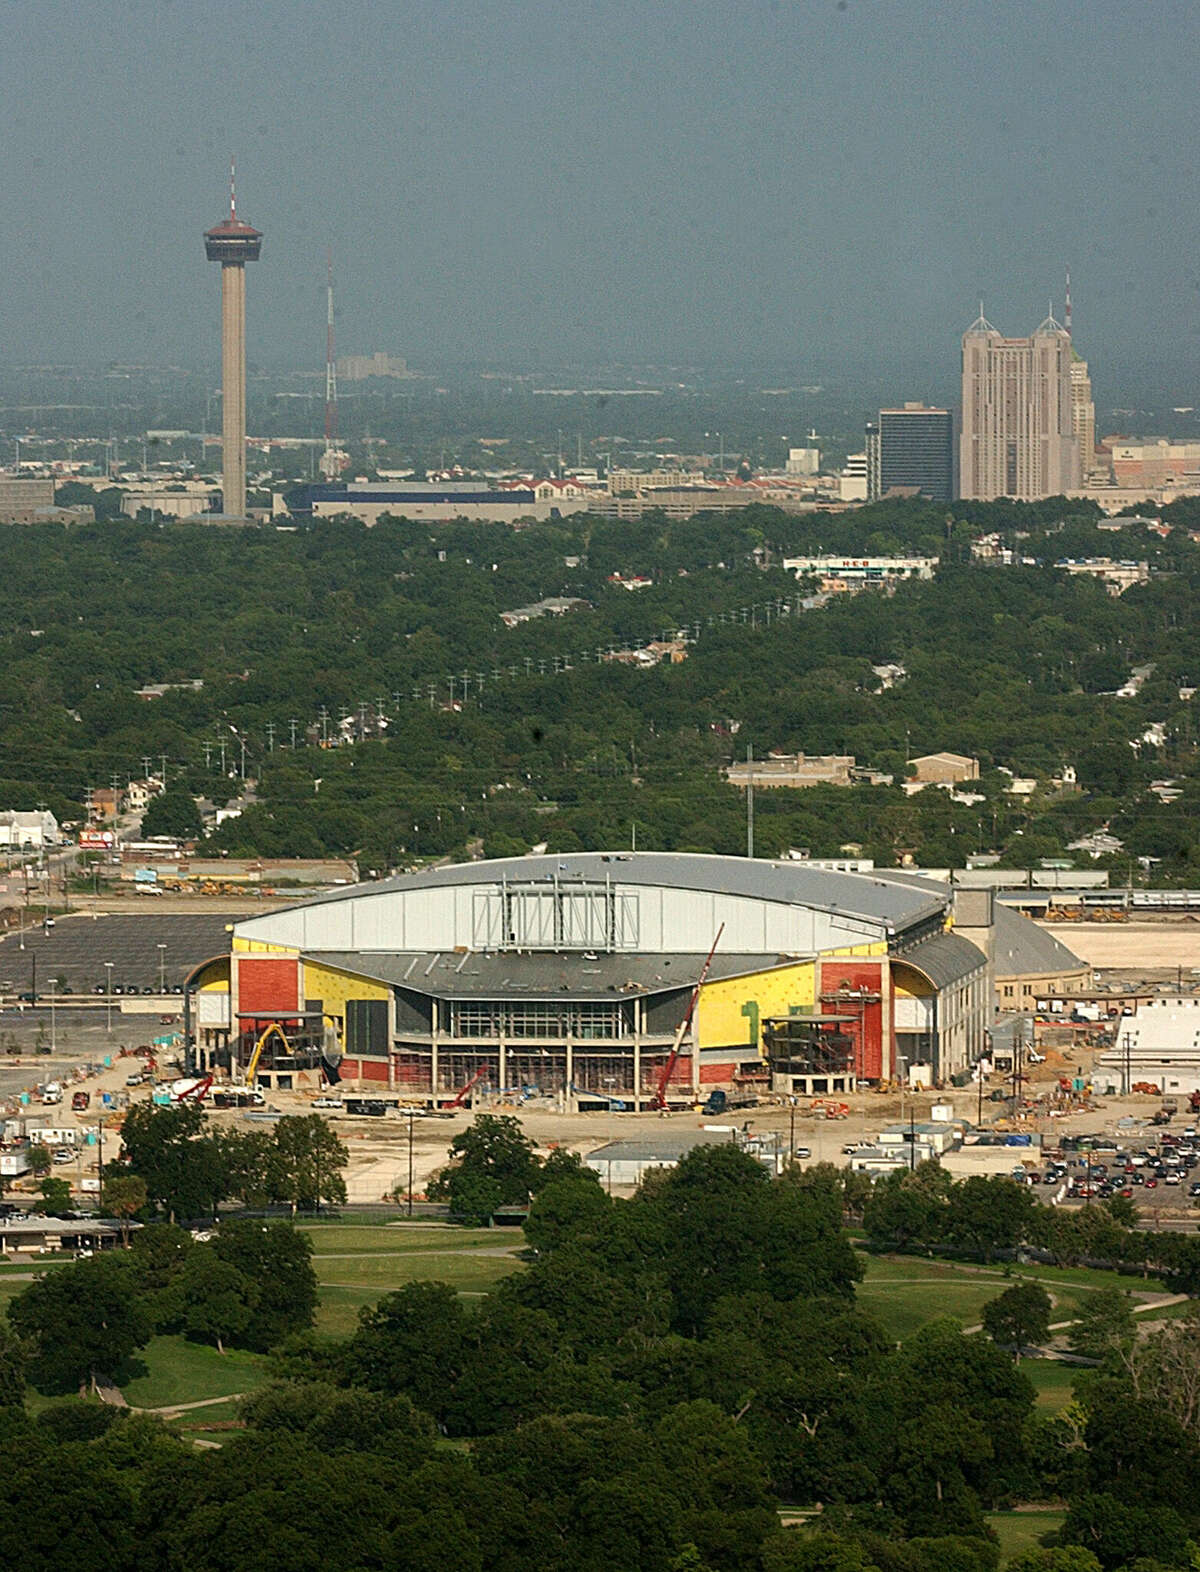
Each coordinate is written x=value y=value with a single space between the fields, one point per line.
x=148 y=952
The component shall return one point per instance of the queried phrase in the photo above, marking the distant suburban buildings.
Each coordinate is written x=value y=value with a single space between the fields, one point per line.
x=852 y=484
x=940 y=769
x=30 y=500
x=552 y=606
x=839 y=574
x=358 y=368
x=792 y=769
x=1116 y=577
x=1025 y=412
x=911 y=450
x=432 y=501
x=803 y=461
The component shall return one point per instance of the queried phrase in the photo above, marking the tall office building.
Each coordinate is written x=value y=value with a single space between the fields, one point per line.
x=233 y=243
x=1083 y=417
x=1018 y=434
x=911 y=449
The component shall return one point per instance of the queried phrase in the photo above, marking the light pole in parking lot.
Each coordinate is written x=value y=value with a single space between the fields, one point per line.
x=108 y=966
x=410 y=1162
x=162 y=968
x=53 y=1033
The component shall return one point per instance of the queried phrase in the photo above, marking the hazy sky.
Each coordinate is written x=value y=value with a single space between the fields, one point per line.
x=821 y=183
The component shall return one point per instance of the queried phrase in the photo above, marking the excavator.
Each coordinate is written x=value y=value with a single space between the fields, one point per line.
x=659 y=1101
x=273 y=1029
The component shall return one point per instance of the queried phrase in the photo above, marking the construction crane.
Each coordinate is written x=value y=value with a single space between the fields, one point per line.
x=460 y=1096
x=659 y=1101
x=274 y=1029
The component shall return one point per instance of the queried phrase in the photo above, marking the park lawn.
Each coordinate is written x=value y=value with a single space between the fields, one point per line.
x=1052 y=1381
x=173 y=1370
x=347 y=1286
x=195 y=1419
x=368 y=1238
x=904 y=1300
x=905 y=1292
x=1019 y=1531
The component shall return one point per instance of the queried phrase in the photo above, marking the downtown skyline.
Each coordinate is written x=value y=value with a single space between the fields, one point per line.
x=812 y=185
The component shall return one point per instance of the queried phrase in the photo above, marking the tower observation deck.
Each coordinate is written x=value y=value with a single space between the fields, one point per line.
x=233 y=243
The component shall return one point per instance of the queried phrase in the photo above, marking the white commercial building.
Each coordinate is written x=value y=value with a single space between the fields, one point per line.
x=30 y=831
x=1159 y=1044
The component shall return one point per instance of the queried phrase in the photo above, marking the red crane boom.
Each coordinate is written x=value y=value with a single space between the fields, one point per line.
x=659 y=1101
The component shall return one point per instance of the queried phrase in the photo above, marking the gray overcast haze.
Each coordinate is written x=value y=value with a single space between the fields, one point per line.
x=806 y=182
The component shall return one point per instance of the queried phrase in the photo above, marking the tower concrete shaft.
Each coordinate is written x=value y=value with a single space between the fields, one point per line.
x=233 y=243
x=233 y=388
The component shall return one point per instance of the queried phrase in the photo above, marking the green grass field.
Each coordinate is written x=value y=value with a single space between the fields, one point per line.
x=906 y=1291
x=172 y=1370
x=356 y=1265
x=1051 y=1380
x=1019 y=1531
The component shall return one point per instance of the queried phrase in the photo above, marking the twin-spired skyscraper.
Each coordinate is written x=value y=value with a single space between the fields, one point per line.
x=233 y=243
x=1028 y=422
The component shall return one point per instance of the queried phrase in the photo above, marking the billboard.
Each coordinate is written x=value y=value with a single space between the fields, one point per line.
x=96 y=840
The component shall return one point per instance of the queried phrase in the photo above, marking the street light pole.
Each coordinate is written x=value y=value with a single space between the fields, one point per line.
x=108 y=966
x=53 y=1033
x=162 y=968
x=410 y=1162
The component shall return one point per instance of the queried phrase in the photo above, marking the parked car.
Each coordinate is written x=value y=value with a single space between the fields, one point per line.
x=64 y=1155
x=328 y=1102
x=80 y=1101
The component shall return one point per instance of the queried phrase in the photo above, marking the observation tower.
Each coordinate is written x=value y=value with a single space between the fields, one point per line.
x=233 y=243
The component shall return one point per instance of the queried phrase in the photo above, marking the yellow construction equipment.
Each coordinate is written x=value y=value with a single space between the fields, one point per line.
x=252 y=1067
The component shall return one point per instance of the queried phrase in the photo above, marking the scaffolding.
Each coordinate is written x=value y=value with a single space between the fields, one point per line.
x=809 y=1053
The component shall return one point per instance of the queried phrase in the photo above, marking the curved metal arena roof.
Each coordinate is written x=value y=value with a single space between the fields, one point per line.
x=1023 y=949
x=896 y=906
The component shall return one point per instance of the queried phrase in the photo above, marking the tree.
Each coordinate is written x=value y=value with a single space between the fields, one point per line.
x=125 y=1196
x=1059 y=1558
x=14 y=1364
x=215 y=1299
x=492 y=1164
x=40 y=1159
x=411 y=1342
x=181 y=1161
x=1019 y=1317
x=566 y=1209
x=81 y=1320
x=305 y=1162
x=173 y=813
x=277 y=1261
x=1105 y=1324
x=56 y=1196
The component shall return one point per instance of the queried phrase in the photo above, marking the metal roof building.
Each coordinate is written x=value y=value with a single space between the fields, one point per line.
x=567 y=978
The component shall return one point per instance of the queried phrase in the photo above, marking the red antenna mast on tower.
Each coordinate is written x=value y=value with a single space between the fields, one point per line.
x=329 y=460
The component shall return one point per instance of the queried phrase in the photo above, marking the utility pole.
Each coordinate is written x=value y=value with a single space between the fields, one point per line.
x=270 y=736
x=108 y=966
x=410 y=1162
x=749 y=802
x=292 y=724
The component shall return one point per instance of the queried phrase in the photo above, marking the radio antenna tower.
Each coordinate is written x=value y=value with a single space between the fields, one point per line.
x=1067 y=312
x=329 y=459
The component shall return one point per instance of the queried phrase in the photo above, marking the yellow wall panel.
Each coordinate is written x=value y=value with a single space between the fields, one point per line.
x=334 y=988
x=731 y=1012
x=260 y=947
